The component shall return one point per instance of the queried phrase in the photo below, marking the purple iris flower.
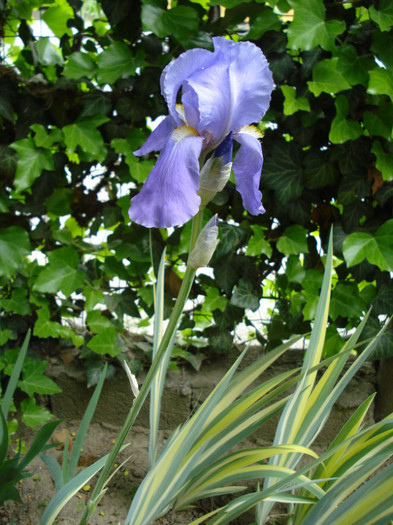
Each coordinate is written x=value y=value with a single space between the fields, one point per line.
x=222 y=93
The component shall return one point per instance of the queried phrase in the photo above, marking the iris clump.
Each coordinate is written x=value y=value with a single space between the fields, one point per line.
x=222 y=93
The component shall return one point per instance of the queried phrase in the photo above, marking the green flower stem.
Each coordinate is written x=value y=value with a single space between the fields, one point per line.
x=184 y=292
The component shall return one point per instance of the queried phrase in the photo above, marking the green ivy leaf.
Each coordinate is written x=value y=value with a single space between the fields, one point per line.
x=6 y=109
x=283 y=171
x=44 y=327
x=327 y=78
x=42 y=138
x=59 y=203
x=139 y=169
x=319 y=171
x=56 y=18
x=294 y=270
x=18 y=303
x=35 y=382
x=84 y=134
x=214 y=300
x=345 y=301
x=384 y=346
x=231 y=238
x=31 y=162
x=97 y=322
x=309 y=29
x=377 y=249
x=14 y=245
x=333 y=342
x=79 y=65
x=293 y=104
x=265 y=19
x=382 y=47
x=226 y=273
x=62 y=274
x=258 y=244
x=341 y=129
x=105 y=343
x=294 y=241
x=380 y=82
x=380 y=122
x=384 y=161
x=47 y=53
x=181 y=21
x=32 y=414
x=383 y=17
x=383 y=302
x=244 y=296
x=116 y=61
x=352 y=66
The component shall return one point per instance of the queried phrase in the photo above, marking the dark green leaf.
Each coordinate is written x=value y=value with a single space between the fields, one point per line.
x=180 y=21
x=14 y=245
x=6 y=109
x=383 y=302
x=384 y=346
x=283 y=172
x=245 y=297
x=264 y=20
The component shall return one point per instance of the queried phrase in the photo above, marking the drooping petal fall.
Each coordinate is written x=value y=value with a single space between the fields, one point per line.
x=156 y=141
x=247 y=167
x=169 y=196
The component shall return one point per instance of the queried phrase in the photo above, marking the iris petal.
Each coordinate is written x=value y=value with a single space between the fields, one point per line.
x=250 y=79
x=158 y=138
x=247 y=167
x=169 y=196
x=177 y=72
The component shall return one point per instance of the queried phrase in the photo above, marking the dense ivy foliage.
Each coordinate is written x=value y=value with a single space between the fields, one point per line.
x=73 y=107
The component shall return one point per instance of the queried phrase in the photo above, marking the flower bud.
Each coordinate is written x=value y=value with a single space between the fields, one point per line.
x=132 y=379
x=205 y=245
x=216 y=171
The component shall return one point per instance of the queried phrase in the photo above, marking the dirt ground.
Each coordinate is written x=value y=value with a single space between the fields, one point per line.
x=37 y=490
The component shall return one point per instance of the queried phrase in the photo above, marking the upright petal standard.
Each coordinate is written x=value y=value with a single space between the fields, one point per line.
x=222 y=94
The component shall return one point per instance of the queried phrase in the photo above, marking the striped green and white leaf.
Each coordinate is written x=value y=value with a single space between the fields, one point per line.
x=221 y=422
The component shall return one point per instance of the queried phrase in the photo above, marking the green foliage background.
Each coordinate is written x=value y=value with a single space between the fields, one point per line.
x=73 y=107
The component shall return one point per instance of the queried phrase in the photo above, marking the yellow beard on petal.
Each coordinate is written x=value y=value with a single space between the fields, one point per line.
x=251 y=130
x=183 y=132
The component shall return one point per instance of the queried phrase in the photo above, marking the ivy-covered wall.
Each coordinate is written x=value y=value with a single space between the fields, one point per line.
x=75 y=101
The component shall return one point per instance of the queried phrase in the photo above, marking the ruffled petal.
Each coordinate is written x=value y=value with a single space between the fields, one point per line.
x=169 y=196
x=250 y=80
x=158 y=138
x=247 y=167
x=177 y=72
x=213 y=89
